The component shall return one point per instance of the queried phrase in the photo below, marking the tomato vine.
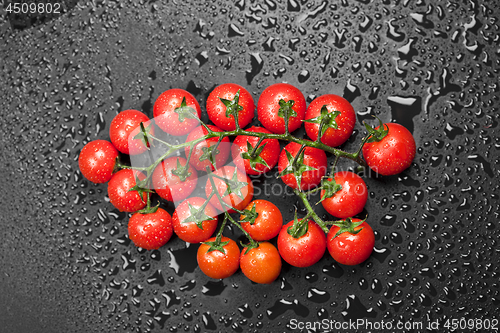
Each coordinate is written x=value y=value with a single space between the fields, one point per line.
x=326 y=117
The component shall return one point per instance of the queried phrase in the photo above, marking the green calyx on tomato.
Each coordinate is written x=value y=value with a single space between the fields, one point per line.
x=148 y=209
x=296 y=165
x=141 y=186
x=252 y=245
x=143 y=134
x=210 y=152
x=376 y=135
x=182 y=171
x=232 y=106
x=325 y=120
x=216 y=245
x=250 y=215
x=347 y=226
x=285 y=110
x=234 y=185
x=197 y=215
x=184 y=111
x=298 y=228
x=331 y=187
x=253 y=155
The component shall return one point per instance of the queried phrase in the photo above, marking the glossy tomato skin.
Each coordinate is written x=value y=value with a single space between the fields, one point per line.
x=268 y=223
x=97 y=161
x=220 y=159
x=150 y=231
x=350 y=200
x=268 y=107
x=393 y=154
x=351 y=249
x=304 y=251
x=261 y=264
x=216 y=264
x=269 y=154
x=170 y=186
x=119 y=194
x=189 y=231
x=217 y=110
x=124 y=127
x=232 y=199
x=313 y=157
x=167 y=119
x=345 y=121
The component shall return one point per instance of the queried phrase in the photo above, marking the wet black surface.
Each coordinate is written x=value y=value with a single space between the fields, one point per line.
x=66 y=261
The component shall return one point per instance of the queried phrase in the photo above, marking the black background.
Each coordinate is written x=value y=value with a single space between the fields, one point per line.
x=66 y=261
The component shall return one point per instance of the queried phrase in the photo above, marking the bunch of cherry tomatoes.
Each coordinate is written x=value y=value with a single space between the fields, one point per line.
x=329 y=121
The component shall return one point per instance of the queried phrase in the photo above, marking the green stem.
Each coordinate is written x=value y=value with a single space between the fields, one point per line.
x=124 y=166
x=253 y=243
x=310 y=209
x=357 y=153
x=221 y=229
x=298 y=154
x=314 y=190
x=159 y=140
x=332 y=172
x=252 y=154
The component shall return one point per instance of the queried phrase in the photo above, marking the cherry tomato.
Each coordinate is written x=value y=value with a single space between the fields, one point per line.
x=150 y=231
x=200 y=157
x=313 y=157
x=261 y=264
x=186 y=224
x=348 y=201
x=241 y=189
x=119 y=194
x=267 y=223
x=279 y=96
x=97 y=161
x=217 y=110
x=393 y=154
x=217 y=264
x=305 y=250
x=269 y=153
x=172 y=106
x=124 y=127
x=345 y=120
x=348 y=248
x=169 y=184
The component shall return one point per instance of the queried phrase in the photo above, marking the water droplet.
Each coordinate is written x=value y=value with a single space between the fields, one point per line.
x=355 y=309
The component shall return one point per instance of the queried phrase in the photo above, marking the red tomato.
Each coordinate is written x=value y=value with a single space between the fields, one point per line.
x=150 y=231
x=167 y=111
x=345 y=120
x=348 y=201
x=241 y=189
x=267 y=223
x=217 y=264
x=305 y=250
x=268 y=107
x=119 y=194
x=198 y=150
x=97 y=161
x=216 y=108
x=269 y=153
x=351 y=249
x=313 y=157
x=261 y=264
x=186 y=224
x=393 y=154
x=124 y=127
x=170 y=186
